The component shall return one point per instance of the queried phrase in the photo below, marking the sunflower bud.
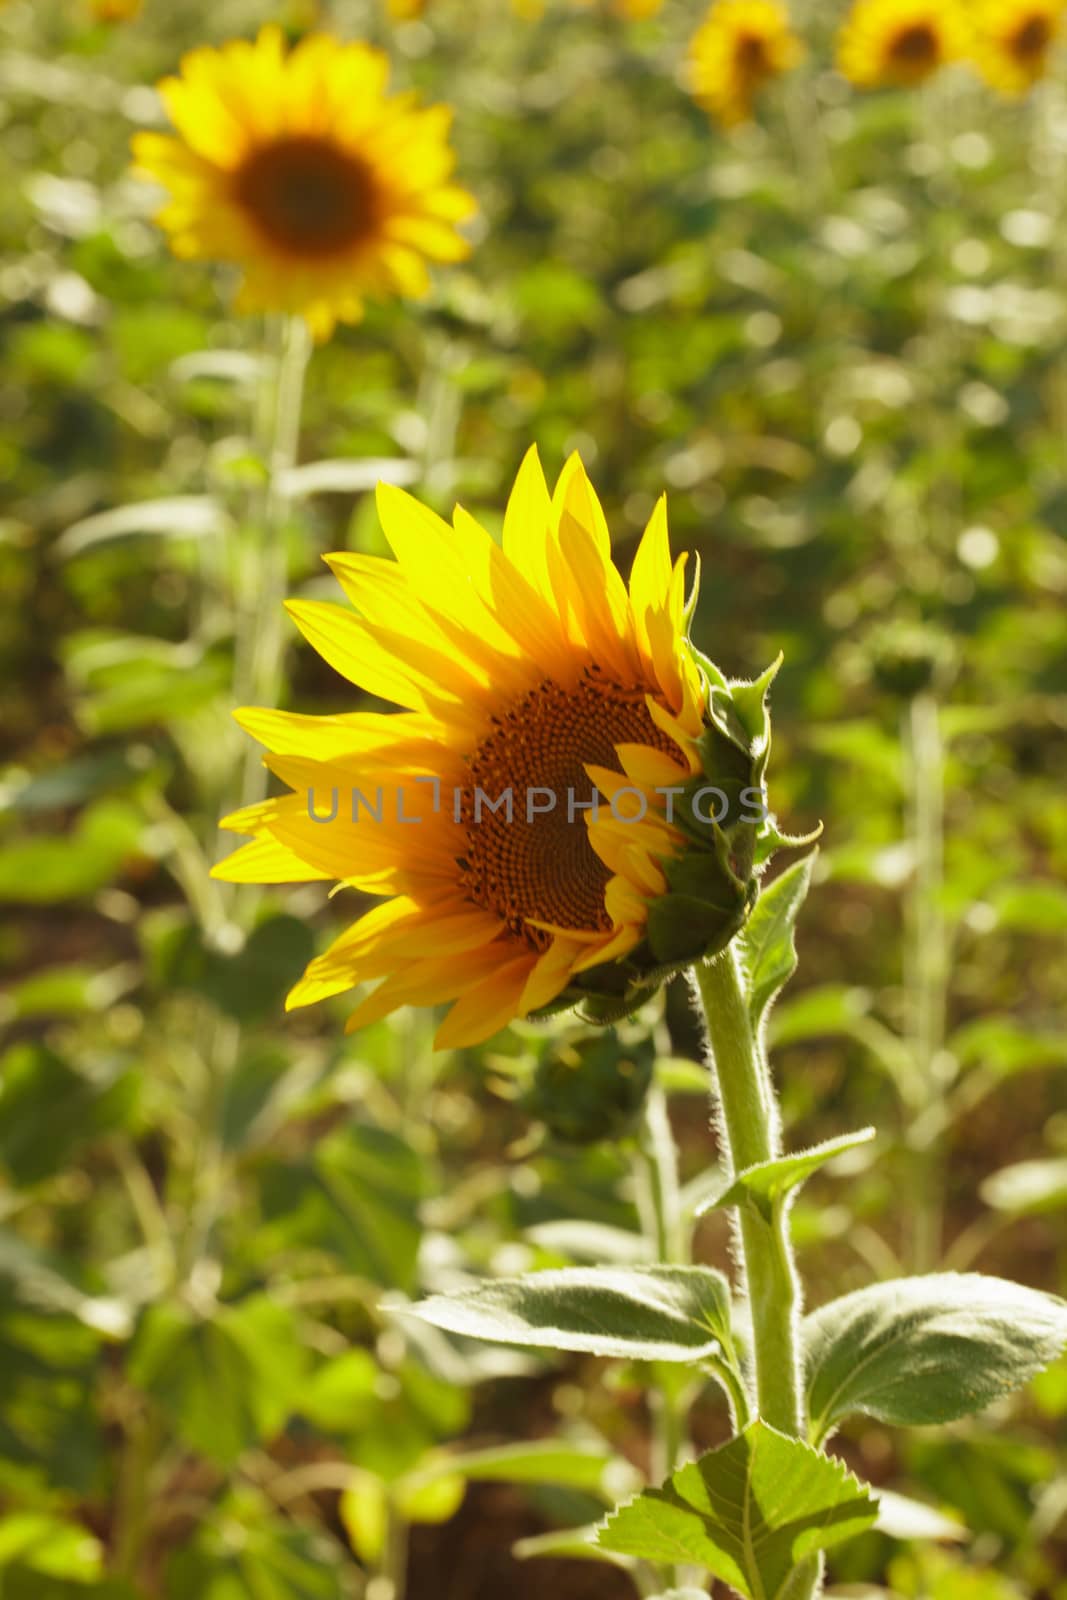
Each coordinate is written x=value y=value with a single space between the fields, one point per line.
x=907 y=658
x=591 y=1084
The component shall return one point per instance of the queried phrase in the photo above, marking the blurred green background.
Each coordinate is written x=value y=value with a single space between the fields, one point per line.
x=838 y=338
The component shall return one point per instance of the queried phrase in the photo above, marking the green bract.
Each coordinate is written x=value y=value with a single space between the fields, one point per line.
x=713 y=883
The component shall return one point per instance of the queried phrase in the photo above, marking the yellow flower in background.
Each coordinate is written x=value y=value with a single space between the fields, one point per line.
x=900 y=41
x=526 y=668
x=405 y=10
x=115 y=10
x=302 y=170
x=739 y=47
x=1013 y=40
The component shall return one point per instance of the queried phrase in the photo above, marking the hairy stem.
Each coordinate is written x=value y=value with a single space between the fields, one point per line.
x=752 y=1128
x=751 y=1125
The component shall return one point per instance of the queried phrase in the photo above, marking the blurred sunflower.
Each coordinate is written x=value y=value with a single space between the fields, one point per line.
x=526 y=668
x=900 y=41
x=115 y=10
x=740 y=45
x=302 y=170
x=1013 y=40
x=405 y=10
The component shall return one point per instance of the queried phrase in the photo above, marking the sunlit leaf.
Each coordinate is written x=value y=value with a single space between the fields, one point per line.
x=767 y=949
x=644 y=1314
x=927 y=1349
x=750 y=1512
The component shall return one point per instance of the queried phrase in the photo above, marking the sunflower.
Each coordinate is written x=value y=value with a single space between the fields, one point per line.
x=900 y=41
x=115 y=10
x=739 y=46
x=519 y=813
x=1013 y=40
x=301 y=169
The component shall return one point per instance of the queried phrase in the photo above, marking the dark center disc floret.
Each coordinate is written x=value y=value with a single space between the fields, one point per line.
x=916 y=45
x=1032 y=37
x=534 y=859
x=750 y=55
x=308 y=196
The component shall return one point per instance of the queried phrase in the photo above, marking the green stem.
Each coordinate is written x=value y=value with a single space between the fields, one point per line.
x=661 y=1214
x=927 y=963
x=257 y=671
x=134 y=1503
x=751 y=1125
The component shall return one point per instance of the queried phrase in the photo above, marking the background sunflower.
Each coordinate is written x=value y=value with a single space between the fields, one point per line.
x=740 y=46
x=1013 y=41
x=900 y=41
x=298 y=167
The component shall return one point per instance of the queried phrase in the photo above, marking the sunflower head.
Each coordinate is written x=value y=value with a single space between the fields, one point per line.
x=115 y=10
x=1013 y=41
x=900 y=41
x=301 y=170
x=567 y=805
x=739 y=47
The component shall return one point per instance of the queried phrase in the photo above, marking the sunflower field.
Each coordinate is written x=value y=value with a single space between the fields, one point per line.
x=477 y=1116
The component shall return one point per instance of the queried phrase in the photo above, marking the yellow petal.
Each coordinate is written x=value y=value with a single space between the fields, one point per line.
x=264 y=860
x=488 y=1006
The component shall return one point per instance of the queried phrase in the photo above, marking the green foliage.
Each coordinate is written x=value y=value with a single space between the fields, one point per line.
x=750 y=1512
x=929 y=1349
x=766 y=1185
x=643 y=1313
x=225 y=1380
x=767 y=947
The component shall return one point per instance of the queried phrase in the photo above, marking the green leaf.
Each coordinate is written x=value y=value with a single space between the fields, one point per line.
x=434 y=1499
x=1035 y=906
x=596 y=1471
x=341 y=1395
x=243 y=1549
x=927 y=1349
x=49 y=1545
x=364 y=1513
x=1028 y=1188
x=357 y=1197
x=225 y=1381
x=767 y=1183
x=182 y=516
x=640 y=1314
x=903 y=1518
x=42 y=871
x=824 y=1012
x=1003 y=1046
x=681 y=1594
x=49 y=1109
x=251 y=985
x=576 y=1544
x=591 y=1241
x=750 y=1512
x=767 y=947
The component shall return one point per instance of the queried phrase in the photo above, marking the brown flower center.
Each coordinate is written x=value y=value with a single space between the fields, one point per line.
x=915 y=46
x=309 y=197
x=540 y=863
x=751 y=57
x=1032 y=38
